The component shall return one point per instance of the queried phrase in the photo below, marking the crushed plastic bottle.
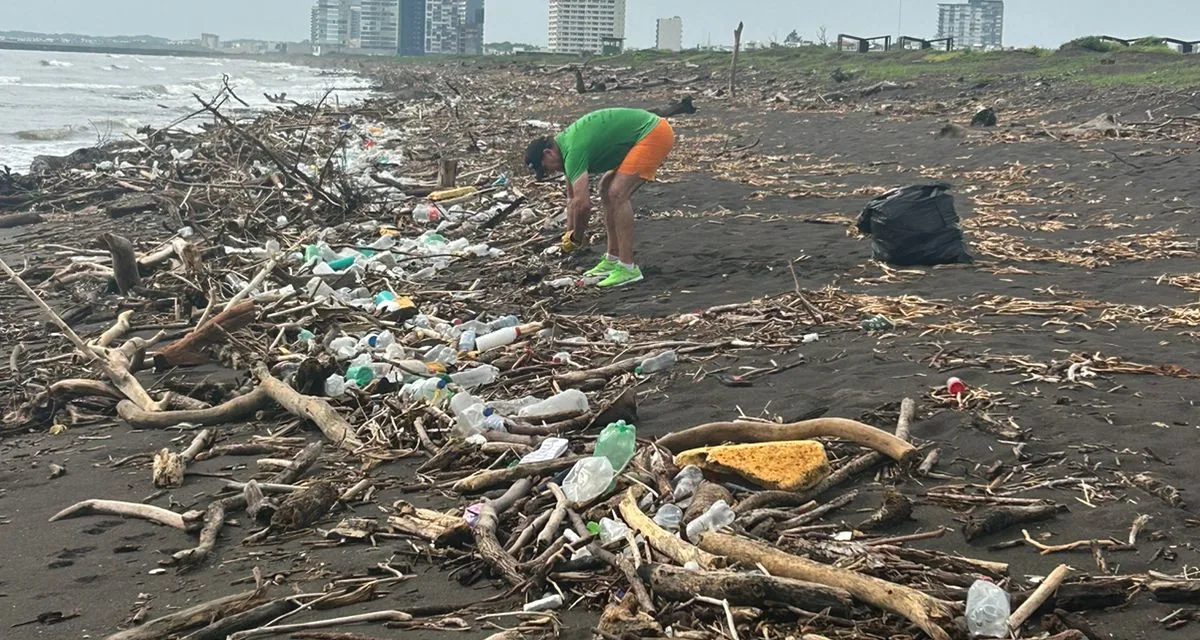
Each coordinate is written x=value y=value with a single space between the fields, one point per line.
x=660 y=362
x=616 y=335
x=562 y=357
x=550 y=449
x=568 y=402
x=513 y=407
x=344 y=347
x=361 y=374
x=617 y=443
x=987 y=610
x=470 y=414
x=548 y=603
x=475 y=377
x=588 y=480
x=612 y=530
x=466 y=340
x=686 y=482
x=718 y=516
x=810 y=338
x=336 y=385
x=441 y=354
x=426 y=213
x=669 y=517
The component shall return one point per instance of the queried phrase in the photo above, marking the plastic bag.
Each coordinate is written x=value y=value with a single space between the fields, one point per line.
x=915 y=225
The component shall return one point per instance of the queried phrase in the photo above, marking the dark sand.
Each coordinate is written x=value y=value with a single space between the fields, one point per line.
x=98 y=566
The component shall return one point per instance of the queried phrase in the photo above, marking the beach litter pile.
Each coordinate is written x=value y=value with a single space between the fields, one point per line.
x=370 y=326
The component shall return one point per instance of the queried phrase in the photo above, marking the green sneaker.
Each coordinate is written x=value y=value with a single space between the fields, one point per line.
x=605 y=267
x=621 y=276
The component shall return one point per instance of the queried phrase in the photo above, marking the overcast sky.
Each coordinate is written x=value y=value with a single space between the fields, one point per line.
x=1027 y=22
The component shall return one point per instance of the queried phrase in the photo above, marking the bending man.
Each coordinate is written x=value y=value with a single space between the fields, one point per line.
x=628 y=146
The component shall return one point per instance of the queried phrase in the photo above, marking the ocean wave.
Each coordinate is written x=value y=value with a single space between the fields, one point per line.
x=56 y=63
x=115 y=67
x=10 y=80
x=45 y=135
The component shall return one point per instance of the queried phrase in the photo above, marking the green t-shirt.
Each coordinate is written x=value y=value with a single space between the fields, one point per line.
x=599 y=141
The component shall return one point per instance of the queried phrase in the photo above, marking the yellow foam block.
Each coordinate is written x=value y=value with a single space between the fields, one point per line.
x=787 y=466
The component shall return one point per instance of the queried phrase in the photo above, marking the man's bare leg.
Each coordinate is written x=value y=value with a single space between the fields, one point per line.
x=620 y=194
x=610 y=220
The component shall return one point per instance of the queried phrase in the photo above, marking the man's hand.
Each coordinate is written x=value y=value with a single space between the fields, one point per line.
x=578 y=209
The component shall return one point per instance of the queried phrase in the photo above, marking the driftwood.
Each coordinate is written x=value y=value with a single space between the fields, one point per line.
x=660 y=538
x=187 y=350
x=573 y=378
x=441 y=529
x=742 y=589
x=1000 y=518
x=124 y=260
x=375 y=616
x=744 y=432
x=1175 y=592
x=737 y=47
x=231 y=411
x=317 y=410
x=1040 y=595
x=930 y=614
x=490 y=550
x=304 y=508
x=256 y=617
x=188 y=521
x=491 y=478
x=896 y=509
x=191 y=617
x=19 y=219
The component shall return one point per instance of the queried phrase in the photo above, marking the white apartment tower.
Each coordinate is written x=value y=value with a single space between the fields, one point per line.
x=976 y=24
x=670 y=34
x=581 y=26
x=380 y=26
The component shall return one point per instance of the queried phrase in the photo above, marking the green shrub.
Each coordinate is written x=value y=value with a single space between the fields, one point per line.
x=1091 y=43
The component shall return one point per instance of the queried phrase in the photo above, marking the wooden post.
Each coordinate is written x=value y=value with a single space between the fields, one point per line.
x=737 y=45
x=447 y=173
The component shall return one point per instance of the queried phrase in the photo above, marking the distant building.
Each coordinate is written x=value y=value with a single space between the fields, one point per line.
x=328 y=25
x=670 y=34
x=412 y=27
x=583 y=26
x=380 y=27
x=976 y=24
x=454 y=27
x=470 y=41
x=210 y=41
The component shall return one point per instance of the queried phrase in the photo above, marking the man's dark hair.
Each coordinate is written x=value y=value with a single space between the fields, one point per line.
x=534 y=155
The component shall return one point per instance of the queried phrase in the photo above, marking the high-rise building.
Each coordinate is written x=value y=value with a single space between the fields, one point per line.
x=670 y=34
x=976 y=24
x=454 y=27
x=328 y=24
x=582 y=26
x=380 y=26
x=412 y=27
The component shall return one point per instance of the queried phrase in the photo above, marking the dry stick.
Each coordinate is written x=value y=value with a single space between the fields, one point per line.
x=253 y=284
x=119 y=328
x=930 y=614
x=214 y=516
x=375 y=616
x=186 y=350
x=257 y=616
x=620 y=563
x=489 y=478
x=742 y=432
x=198 y=615
x=316 y=410
x=230 y=411
x=119 y=375
x=556 y=516
x=188 y=521
x=202 y=441
x=490 y=550
x=1038 y=597
x=660 y=538
x=809 y=307
x=737 y=47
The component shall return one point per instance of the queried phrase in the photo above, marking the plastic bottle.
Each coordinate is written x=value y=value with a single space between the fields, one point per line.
x=361 y=374
x=550 y=449
x=616 y=335
x=660 y=362
x=569 y=401
x=809 y=338
x=504 y=322
x=719 y=515
x=562 y=357
x=612 y=530
x=429 y=389
x=466 y=340
x=588 y=480
x=475 y=377
x=669 y=517
x=335 y=386
x=493 y=422
x=617 y=443
x=425 y=213
x=496 y=339
x=544 y=604
x=987 y=610
x=441 y=353
x=513 y=407
x=469 y=414
x=686 y=482
x=344 y=347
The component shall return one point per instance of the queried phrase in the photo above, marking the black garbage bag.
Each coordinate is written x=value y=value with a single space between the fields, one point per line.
x=915 y=225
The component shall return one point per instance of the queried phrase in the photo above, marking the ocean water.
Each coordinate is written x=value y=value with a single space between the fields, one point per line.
x=55 y=103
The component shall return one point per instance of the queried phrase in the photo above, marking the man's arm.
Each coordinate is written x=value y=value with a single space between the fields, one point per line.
x=579 y=204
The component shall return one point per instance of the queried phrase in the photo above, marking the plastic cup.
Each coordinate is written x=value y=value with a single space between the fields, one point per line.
x=956 y=386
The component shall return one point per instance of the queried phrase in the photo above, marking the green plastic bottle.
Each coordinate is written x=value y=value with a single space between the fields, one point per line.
x=618 y=443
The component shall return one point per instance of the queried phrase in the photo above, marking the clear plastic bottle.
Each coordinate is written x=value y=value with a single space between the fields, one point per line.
x=493 y=422
x=344 y=347
x=719 y=515
x=475 y=377
x=429 y=389
x=466 y=340
x=669 y=517
x=426 y=213
x=617 y=443
x=504 y=323
x=987 y=610
x=686 y=482
x=616 y=335
x=469 y=414
x=567 y=402
x=588 y=480
x=612 y=530
x=335 y=386
x=443 y=354
x=660 y=362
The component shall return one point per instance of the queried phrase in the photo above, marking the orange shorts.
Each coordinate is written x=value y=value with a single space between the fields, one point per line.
x=644 y=159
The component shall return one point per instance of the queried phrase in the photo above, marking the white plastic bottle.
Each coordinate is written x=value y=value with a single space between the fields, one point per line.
x=497 y=339
x=568 y=402
x=544 y=604
x=475 y=377
x=344 y=347
x=987 y=610
x=719 y=515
